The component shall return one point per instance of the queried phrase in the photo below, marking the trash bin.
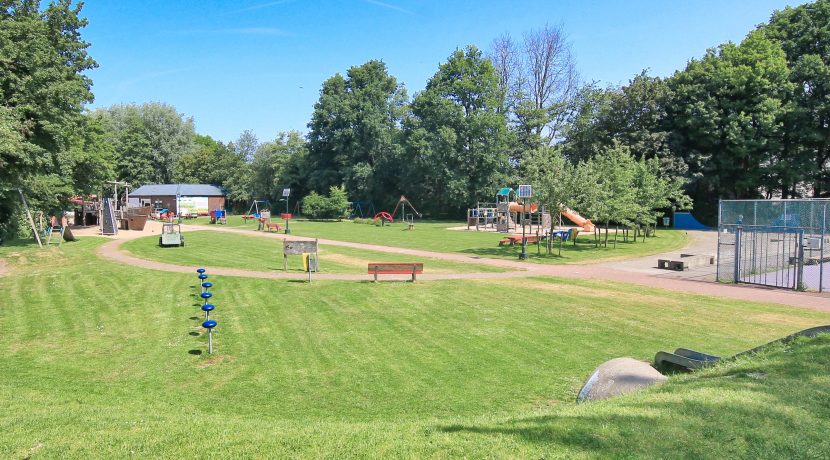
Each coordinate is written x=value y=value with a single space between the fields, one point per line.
x=309 y=262
x=666 y=221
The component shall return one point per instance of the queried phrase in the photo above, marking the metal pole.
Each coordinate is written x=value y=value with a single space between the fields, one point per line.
x=821 y=250
x=720 y=232
x=737 y=272
x=210 y=341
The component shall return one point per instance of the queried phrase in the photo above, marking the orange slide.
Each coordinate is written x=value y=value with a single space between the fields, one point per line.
x=516 y=207
x=586 y=224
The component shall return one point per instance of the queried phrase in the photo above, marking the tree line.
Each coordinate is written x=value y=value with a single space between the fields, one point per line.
x=746 y=120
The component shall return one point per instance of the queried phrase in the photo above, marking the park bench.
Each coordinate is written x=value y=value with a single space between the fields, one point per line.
x=396 y=268
x=269 y=226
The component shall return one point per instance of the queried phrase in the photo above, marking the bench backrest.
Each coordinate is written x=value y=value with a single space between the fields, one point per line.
x=396 y=268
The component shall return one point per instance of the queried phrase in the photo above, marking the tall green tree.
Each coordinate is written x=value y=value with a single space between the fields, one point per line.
x=354 y=136
x=804 y=34
x=457 y=137
x=204 y=163
x=43 y=90
x=237 y=169
x=727 y=113
x=148 y=139
x=271 y=163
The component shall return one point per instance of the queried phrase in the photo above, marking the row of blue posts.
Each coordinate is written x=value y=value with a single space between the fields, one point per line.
x=209 y=324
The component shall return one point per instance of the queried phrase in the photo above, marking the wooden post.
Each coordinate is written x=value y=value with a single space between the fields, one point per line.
x=376 y=273
x=414 y=268
x=29 y=216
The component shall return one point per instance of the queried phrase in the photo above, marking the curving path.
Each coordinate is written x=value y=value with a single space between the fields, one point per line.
x=111 y=250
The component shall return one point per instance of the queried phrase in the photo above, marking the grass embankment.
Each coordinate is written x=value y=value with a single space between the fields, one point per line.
x=108 y=360
x=221 y=249
x=435 y=236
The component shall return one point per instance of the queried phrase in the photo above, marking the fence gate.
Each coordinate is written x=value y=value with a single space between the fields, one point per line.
x=769 y=256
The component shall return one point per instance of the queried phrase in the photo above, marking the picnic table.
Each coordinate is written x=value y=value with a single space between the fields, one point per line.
x=514 y=239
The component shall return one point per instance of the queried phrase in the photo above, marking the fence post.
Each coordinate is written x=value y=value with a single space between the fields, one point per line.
x=821 y=250
x=800 y=269
x=737 y=273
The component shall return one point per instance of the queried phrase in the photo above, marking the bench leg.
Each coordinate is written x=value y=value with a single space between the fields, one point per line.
x=376 y=275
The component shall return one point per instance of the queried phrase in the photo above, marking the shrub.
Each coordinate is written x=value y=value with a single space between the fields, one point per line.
x=335 y=206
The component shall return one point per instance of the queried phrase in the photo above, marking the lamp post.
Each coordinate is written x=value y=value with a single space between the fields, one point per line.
x=525 y=192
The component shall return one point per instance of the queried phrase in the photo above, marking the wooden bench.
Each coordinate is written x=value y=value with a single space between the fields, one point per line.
x=396 y=268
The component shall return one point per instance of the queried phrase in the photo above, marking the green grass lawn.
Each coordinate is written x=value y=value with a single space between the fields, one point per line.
x=108 y=360
x=434 y=236
x=220 y=249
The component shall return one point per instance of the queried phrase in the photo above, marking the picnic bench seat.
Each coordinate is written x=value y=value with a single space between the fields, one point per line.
x=395 y=268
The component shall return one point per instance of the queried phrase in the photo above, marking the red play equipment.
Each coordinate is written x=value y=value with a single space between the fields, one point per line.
x=383 y=216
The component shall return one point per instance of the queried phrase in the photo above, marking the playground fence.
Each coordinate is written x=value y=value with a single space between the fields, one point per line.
x=776 y=243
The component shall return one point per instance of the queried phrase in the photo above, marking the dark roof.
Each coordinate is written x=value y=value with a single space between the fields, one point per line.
x=178 y=189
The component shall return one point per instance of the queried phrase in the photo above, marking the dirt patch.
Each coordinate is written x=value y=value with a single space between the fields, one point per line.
x=4 y=268
x=213 y=360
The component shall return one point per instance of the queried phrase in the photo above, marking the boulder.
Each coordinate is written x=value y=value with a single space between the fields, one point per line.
x=617 y=377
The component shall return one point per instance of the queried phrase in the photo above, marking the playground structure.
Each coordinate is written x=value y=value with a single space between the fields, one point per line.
x=361 y=208
x=507 y=215
x=59 y=230
x=409 y=217
x=384 y=217
x=255 y=208
x=403 y=202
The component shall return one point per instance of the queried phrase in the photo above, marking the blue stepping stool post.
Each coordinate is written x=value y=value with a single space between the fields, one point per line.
x=207 y=308
x=206 y=286
x=205 y=296
x=209 y=325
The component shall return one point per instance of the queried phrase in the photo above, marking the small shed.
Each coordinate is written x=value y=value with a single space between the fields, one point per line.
x=193 y=199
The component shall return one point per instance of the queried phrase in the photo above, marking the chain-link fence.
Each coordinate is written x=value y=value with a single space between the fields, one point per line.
x=778 y=243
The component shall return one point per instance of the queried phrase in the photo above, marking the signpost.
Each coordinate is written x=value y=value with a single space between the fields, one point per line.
x=285 y=193
x=298 y=248
x=525 y=192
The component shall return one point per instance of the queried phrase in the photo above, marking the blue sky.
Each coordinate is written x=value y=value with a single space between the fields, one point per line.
x=259 y=64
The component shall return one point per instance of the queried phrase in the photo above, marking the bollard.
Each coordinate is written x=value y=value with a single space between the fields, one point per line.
x=205 y=296
x=209 y=325
x=206 y=286
x=207 y=308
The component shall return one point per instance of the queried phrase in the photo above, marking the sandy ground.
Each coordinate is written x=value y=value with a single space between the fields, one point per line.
x=638 y=271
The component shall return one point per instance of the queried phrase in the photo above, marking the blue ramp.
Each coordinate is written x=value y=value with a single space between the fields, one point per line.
x=686 y=221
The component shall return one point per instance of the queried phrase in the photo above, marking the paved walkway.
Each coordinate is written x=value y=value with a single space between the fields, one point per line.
x=609 y=271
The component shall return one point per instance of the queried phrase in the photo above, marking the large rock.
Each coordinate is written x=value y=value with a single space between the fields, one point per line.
x=619 y=376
